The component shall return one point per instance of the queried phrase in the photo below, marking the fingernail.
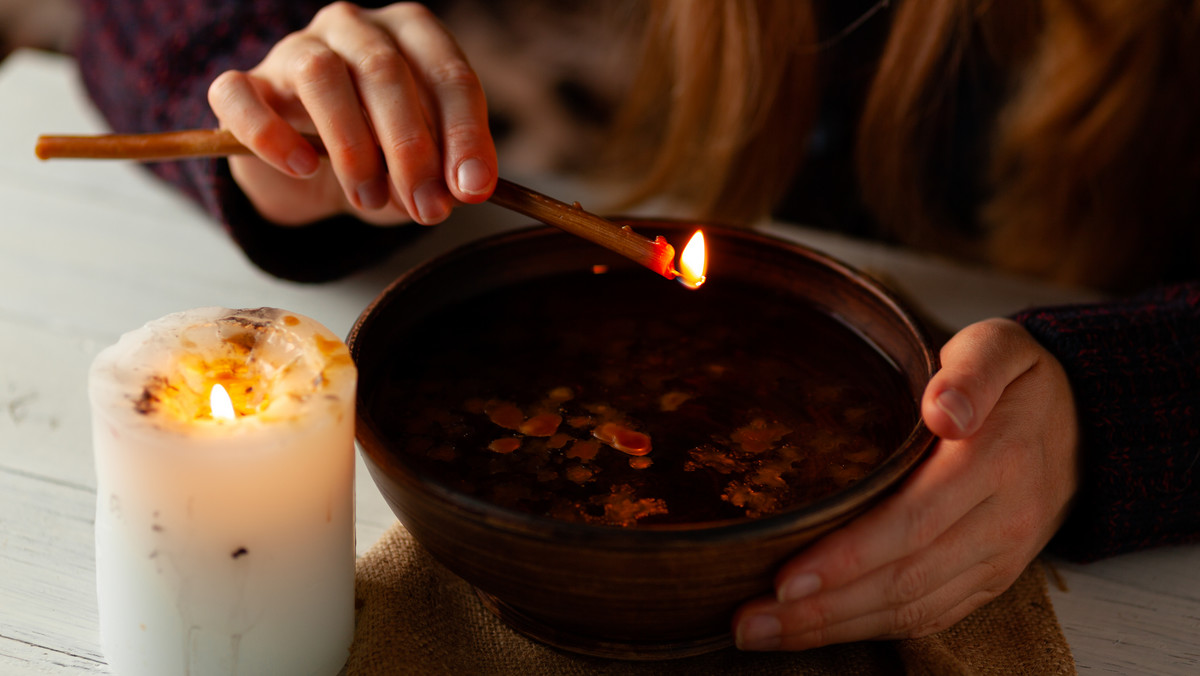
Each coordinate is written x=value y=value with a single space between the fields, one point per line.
x=759 y=632
x=373 y=194
x=303 y=162
x=474 y=177
x=957 y=407
x=798 y=587
x=430 y=199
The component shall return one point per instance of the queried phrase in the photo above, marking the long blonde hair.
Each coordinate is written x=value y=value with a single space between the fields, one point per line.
x=1098 y=155
x=723 y=86
x=1088 y=152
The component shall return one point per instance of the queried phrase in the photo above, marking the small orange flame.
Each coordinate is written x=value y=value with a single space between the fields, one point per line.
x=220 y=403
x=694 y=261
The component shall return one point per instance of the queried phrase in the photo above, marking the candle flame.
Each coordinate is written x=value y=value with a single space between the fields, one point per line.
x=694 y=261
x=221 y=404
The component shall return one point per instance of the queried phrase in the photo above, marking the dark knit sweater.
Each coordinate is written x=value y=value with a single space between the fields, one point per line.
x=147 y=66
x=1134 y=364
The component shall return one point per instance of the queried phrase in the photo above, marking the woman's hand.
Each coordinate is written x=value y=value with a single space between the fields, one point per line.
x=396 y=104
x=964 y=525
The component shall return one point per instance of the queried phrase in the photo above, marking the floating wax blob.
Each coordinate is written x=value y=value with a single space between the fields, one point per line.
x=225 y=545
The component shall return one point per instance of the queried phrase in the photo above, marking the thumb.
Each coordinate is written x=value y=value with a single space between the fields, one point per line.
x=978 y=363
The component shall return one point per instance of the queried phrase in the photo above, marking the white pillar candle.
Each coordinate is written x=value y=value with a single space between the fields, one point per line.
x=225 y=546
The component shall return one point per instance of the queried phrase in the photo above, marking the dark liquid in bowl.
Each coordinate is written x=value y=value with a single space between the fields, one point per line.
x=751 y=403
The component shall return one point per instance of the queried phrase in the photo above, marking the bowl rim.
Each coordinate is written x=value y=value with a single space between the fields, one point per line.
x=883 y=478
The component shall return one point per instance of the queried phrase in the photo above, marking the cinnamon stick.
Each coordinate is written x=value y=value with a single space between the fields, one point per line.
x=657 y=254
x=161 y=146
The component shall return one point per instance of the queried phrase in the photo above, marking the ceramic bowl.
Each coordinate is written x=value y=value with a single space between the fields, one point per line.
x=631 y=593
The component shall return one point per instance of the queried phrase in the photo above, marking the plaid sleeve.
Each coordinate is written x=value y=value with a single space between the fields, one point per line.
x=147 y=65
x=1134 y=365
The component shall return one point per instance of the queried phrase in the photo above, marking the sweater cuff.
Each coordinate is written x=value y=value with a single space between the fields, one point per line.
x=1134 y=366
x=322 y=251
x=316 y=252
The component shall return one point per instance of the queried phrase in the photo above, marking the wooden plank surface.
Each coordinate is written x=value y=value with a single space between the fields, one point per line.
x=88 y=252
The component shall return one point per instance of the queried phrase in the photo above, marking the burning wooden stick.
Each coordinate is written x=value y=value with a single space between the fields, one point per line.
x=657 y=254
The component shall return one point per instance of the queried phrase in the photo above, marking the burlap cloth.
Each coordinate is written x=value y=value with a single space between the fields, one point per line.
x=415 y=617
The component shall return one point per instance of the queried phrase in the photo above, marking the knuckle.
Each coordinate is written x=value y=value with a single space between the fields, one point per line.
x=379 y=63
x=224 y=87
x=453 y=73
x=906 y=619
x=999 y=573
x=413 y=144
x=257 y=136
x=908 y=584
x=461 y=134
x=353 y=154
x=993 y=591
x=821 y=636
x=826 y=615
x=927 y=628
x=818 y=613
x=958 y=371
x=412 y=11
x=336 y=11
x=315 y=65
x=996 y=337
x=278 y=52
x=990 y=329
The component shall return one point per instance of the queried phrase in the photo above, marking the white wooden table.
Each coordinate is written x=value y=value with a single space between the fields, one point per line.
x=91 y=250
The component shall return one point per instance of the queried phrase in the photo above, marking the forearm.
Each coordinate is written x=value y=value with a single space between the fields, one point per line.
x=1134 y=366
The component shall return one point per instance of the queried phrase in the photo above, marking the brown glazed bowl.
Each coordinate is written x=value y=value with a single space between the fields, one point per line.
x=629 y=593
